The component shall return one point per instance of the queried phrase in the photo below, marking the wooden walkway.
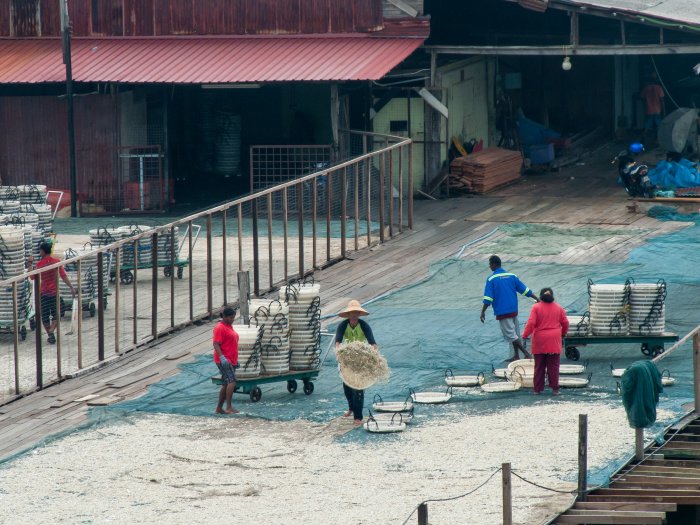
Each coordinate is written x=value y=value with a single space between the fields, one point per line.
x=645 y=492
x=441 y=229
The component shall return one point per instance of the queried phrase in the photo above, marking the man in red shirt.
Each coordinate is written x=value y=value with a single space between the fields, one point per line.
x=226 y=359
x=48 y=288
x=653 y=96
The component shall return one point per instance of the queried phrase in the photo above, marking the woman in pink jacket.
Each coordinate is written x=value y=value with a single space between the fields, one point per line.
x=547 y=325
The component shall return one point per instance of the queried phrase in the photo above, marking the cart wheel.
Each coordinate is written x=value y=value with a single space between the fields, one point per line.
x=112 y=278
x=167 y=271
x=32 y=323
x=180 y=272
x=23 y=332
x=572 y=353
x=127 y=277
x=645 y=349
x=656 y=350
x=291 y=386
x=308 y=388
x=92 y=309
x=255 y=394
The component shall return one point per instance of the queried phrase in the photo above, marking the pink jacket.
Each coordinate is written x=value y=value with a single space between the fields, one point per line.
x=547 y=325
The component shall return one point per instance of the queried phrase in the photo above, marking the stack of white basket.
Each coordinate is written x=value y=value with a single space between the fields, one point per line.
x=648 y=308
x=168 y=245
x=272 y=318
x=304 y=324
x=33 y=194
x=145 y=255
x=248 y=351
x=43 y=212
x=11 y=265
x=579 y=324
x=608 y=308
x=88 y=275
x=9 y=207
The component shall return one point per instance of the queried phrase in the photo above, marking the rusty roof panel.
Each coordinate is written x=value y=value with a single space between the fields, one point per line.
x=210 y=60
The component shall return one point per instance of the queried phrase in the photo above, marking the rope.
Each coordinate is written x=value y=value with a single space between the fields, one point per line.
x=658 y=75
x=453 y=497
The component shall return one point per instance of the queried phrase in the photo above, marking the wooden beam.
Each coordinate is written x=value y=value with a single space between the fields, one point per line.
x=405 y=7
x=680 y=500
x=670 y=480
x=654 y=485
x=625 y=505
x=563 y=50
x=635 y=518
x=655 y=493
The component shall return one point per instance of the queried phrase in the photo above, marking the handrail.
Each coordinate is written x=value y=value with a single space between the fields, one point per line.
x=222 y=207
x=677 y=345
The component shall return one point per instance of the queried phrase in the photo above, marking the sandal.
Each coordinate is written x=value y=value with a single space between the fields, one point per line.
x=52 y=339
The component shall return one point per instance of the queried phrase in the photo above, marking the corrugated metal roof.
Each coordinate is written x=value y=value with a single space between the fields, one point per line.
x=680 y=11
x=206 y=60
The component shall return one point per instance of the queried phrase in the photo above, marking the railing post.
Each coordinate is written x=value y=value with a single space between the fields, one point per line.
x=15 y=332
x=300 y=212
x=382 y=189
x=190 y=269
x=269 y=239
x=244 y=295
x=135 y=291
x=314 y=226
x=423 y=514
x=100 y=306
x=59 y=308
x=639 y=444
x=410 y=186
x=343 y=211
x=696 y=371
x=390 y=193
x=80 y=317
x=117 y=293
x=225 y=258
x=39 y=329
x=240 y=237
x=507 y=495
x=401 y=152
x=285 y=229
x=154 y=285
x=582 y=456
x=256 y=253
x=172 y=277
x=357 y=205
x=210 y=278
x=329 y=185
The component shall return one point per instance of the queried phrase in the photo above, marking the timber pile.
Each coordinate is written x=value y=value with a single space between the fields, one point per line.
x=486 y=170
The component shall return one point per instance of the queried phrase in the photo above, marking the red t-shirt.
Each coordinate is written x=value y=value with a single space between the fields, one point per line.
x=227 y=338
x=48 y=278
x=653 y=94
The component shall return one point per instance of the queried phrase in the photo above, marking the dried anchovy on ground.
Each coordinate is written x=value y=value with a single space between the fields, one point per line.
x=361 y=365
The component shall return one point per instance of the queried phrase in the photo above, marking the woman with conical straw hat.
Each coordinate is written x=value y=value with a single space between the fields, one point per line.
x=354 y=329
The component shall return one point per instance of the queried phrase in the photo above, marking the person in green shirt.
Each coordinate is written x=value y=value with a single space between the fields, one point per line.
x=354 y=329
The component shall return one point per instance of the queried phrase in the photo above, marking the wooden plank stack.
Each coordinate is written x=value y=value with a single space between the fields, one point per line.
x=486 y=170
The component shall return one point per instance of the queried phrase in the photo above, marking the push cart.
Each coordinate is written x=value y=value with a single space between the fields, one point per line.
x=650 y=345
x=126 y=271
x=251 y=388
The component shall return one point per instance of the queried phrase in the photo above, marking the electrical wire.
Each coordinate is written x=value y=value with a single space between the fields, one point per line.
x=658 y=75
x=389 y=84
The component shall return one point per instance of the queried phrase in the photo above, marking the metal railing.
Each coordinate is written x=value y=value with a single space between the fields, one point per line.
x=275 y=234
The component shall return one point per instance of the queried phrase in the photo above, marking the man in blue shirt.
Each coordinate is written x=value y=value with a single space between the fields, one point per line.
x=501 y=291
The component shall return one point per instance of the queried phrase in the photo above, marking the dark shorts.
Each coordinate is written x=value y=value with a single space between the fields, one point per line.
x=228 y=373
x=48 y=308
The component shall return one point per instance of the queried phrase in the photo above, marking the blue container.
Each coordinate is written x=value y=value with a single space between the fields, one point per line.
x=541 y=153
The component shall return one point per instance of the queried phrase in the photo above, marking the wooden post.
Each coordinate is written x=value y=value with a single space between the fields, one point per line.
x=423 y=514
x=244 y=295
x=210 y=276
x=507 y=495
x=154 y=286
x=39 y=328
x=639 y=444
x=582 y=455
x=696 y=371
x=256 y=253
x=100 y=306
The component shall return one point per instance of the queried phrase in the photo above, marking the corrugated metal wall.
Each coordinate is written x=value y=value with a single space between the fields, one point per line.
x=34 y=147
x=29 y=18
